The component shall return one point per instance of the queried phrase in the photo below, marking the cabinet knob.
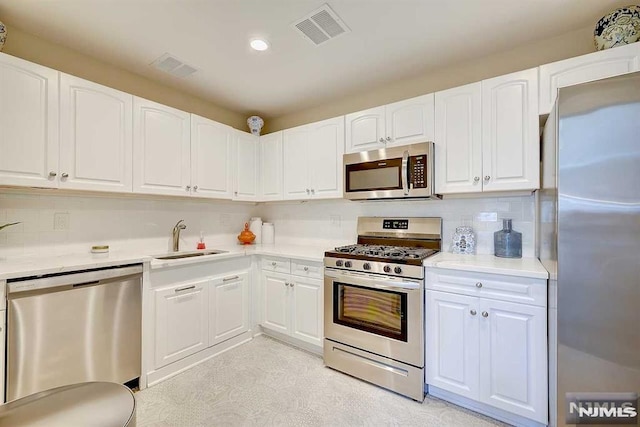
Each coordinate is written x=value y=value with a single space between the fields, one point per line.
x=235 y=192
x=487 y=178
x=476 y=179
x=306 y=269
x=65 y=175
x=485 y=314
x=388 y=139
x=188 y=187
x=291 y=284
x=308 y=191
x=473 y=312
x=274 y=263
x=382 y=140
x=478 y=285
x=52 y=174
x=195 y=188
x=313 y=191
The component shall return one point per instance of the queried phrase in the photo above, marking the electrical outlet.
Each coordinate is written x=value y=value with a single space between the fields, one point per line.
x=61 y=221
x=334 y=220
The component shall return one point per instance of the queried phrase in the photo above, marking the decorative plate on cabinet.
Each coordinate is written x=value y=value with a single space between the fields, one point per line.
x=620 y=27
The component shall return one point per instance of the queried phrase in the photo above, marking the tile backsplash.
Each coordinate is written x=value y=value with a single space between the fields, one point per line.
x=63 y=223
x=335 y=221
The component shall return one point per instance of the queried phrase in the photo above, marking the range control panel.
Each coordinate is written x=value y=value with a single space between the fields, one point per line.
x=418 y=171
x=395 y=224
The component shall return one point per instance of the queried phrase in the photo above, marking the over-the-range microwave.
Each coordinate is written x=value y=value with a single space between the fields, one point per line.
x=403 y=172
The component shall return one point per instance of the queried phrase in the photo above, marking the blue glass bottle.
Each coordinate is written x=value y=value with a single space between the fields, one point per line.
x=507 y=243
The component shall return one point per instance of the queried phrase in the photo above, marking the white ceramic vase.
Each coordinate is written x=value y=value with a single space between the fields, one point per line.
x=255 y=123
x=620 y=27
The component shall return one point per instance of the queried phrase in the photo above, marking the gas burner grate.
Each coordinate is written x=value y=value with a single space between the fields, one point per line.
x=389 y=252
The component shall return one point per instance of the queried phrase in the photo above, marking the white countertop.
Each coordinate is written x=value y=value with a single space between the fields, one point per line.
x=25 y=266
x=523 y=267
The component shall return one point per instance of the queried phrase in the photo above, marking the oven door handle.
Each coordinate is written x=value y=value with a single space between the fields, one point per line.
x=349 y=279
x=404 y=172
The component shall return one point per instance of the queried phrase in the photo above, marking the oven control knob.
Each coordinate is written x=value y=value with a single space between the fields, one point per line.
x=387 y=269
x=397 y=270
x=339 y=263
x=366 y=266
x=347 y=264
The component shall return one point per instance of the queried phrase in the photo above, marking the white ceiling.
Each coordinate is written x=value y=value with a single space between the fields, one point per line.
x=389 y=40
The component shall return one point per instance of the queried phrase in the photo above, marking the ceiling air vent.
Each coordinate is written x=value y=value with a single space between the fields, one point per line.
x=321 y=25
x=172 y=65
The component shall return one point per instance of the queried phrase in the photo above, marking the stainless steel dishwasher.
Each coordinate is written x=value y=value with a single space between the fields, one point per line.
x=70 y=328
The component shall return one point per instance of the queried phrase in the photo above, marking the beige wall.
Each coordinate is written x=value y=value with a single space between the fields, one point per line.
x=568 y=45
x=41 y=51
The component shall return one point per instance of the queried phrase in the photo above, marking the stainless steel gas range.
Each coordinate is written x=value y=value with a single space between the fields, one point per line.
x=374 y=302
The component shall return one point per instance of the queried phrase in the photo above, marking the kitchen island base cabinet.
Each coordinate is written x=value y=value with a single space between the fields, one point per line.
x=491 y=351
x=293 y=305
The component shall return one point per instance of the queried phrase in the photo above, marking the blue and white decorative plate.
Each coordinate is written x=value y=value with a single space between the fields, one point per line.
x=620 y=27
x=3 y=34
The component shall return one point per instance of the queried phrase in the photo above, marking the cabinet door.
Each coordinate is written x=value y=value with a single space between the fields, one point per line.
x=307 y=309
x=365 y=130
x=271 y=166
x=510 y=132
x=452 y=340
x=28 y=123
x=228 y=307
x=458 y=140
x=181 y=322
x=96 y=136
x=410 y=121
x=210 y=158
x=326 y=147
x=513 y=358
x=275 y=293
x=3 y=335
x=585 y=68
x=246 y=166
x=161 y=149
x=296 y=160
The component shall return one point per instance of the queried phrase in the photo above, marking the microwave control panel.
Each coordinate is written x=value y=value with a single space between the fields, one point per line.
x=418 y=171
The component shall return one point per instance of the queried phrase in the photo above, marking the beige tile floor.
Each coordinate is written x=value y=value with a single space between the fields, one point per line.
x=268 y=383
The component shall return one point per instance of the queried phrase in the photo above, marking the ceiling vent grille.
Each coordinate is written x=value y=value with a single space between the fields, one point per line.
x=172 y=65
x=321 y=25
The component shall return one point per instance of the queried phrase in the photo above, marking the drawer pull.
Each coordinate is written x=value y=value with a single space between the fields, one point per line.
x=186 y=288
x=226 y=279
x=478 y=285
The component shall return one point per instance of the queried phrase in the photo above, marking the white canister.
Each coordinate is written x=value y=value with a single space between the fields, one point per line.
x=255 y=225
x=268 y=233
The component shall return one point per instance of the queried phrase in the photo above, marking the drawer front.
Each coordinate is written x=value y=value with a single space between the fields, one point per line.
x=307 y=269
x=281 y=265
x=505 y=288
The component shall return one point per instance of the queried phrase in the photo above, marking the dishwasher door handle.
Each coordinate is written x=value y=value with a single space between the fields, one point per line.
x=68 y=280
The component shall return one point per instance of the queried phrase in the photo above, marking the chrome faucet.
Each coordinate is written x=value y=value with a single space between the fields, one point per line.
x=176 y=234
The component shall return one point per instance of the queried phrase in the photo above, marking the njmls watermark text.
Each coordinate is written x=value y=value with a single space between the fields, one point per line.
x=602 y=408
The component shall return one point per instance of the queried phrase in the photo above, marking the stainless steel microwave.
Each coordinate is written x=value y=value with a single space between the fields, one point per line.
x=390 y=173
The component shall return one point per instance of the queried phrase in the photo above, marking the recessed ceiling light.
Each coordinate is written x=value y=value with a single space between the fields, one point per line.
x=259 y=44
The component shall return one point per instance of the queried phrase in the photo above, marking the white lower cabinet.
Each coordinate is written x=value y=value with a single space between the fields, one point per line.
x=228 y=307
x=3 y=335
x=488 y=350
x=181 y=321
x=293 y=304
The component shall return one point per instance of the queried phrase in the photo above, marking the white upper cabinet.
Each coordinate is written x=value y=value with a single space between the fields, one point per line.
x=510 y=135
x=326 y=147
x=487 y=136
x=313 y=160
x=28 y=124
x=585 y=68
x=211 y=154
x=271 y=166
x=404 y=122
x=365 y=130
x=161 y=149
x=246 y=164
x=410 y=121
x=95 y=136
x=458 y=139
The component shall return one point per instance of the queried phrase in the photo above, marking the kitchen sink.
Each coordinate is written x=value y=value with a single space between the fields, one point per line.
x=188 y=254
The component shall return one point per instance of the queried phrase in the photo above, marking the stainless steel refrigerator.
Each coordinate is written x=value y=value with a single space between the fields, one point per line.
x=589 y=238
